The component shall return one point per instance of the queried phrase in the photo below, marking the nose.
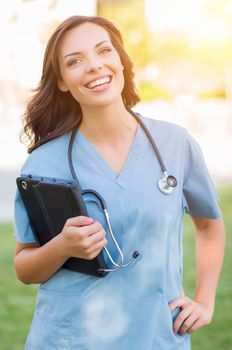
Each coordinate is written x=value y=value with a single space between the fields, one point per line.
x=93 y=64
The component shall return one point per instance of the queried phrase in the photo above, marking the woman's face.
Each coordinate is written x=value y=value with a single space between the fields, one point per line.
x=90 y=66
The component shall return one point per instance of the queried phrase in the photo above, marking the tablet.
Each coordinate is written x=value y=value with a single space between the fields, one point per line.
x=49 y=203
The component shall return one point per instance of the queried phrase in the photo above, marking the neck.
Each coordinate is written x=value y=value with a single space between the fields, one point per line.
x=107 y=124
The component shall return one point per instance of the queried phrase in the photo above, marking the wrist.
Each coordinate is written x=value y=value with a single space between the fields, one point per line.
x=61 y=247
x=206 y=301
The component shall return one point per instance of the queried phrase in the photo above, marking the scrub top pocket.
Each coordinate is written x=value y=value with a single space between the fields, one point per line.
x=58 y=322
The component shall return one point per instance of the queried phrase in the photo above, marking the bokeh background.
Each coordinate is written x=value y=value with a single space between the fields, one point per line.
x=182 y=54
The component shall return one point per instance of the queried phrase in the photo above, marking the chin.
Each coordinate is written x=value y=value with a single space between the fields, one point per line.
x=105 y=101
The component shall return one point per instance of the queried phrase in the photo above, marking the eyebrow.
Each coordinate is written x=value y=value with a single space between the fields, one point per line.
x=79 y=52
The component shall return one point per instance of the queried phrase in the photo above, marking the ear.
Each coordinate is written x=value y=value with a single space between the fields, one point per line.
x=62 y=86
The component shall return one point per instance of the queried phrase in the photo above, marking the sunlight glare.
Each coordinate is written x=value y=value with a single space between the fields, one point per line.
x=167 y=14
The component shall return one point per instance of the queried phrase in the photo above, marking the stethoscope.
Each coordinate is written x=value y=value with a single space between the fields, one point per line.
x=166 y=184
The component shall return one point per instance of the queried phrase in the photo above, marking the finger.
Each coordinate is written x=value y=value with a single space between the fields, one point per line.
x=86 y=235
x=181 y=318
x=96 y=249
x=90 y=229
x=100 y=245
x=95 y=238
x=179 y=302
x=198 y=324
x=79 y=221
x=188 y=323
x=94 y=253
x=86 y=230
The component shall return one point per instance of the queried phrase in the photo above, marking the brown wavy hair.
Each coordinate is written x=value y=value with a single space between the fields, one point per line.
x=50 y=112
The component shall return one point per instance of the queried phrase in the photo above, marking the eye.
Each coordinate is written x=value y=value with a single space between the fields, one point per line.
x=105 y=50
x=74 y=61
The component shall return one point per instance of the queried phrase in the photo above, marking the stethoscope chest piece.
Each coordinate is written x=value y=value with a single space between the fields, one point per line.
x=167 y=183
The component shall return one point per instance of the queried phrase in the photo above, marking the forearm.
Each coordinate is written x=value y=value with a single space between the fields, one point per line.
x=210 y=243
x=38 y=264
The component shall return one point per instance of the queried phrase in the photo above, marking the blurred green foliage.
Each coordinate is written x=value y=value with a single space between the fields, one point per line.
x=148 y=91
x=212 y=94
x=129 y=17
x=209 y=48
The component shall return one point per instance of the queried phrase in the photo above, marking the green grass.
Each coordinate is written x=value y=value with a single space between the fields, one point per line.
x=17 y=300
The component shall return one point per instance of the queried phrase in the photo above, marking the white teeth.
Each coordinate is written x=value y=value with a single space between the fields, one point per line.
x=98 y=82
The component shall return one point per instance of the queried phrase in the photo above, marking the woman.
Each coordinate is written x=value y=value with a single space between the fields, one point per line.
x=87 y=84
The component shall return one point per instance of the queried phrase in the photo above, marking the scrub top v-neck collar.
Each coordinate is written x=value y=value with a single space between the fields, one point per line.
x=95 y=156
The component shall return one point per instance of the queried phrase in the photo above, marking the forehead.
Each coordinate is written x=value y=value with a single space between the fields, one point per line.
x=83 y=37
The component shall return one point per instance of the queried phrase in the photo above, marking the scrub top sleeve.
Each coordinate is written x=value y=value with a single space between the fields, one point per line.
x=22 y=229
x=200 y=198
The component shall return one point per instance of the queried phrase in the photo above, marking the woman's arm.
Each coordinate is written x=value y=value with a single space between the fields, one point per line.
x=210 y=244
x=81 y=237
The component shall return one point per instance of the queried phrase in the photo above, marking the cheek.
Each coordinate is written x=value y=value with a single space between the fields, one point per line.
x=73 y=78
x=117 y=67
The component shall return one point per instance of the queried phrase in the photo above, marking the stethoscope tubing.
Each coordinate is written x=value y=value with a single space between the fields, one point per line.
x=165 y=184
x=103 y=207
x=150 y=138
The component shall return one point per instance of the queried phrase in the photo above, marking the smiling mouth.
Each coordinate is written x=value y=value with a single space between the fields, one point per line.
x=99 y=82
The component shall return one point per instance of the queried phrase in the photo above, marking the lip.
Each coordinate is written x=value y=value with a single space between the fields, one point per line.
x=99 y=87
x=99 y=77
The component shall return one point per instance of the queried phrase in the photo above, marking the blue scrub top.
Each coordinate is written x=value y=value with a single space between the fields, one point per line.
x=127 y=309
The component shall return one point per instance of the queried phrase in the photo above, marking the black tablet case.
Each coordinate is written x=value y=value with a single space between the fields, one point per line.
x=49 y=203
